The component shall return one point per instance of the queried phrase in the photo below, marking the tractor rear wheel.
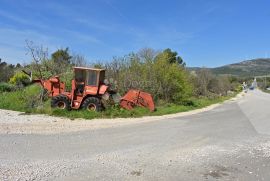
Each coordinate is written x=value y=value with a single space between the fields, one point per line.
x=92 y=104
x=60 y=102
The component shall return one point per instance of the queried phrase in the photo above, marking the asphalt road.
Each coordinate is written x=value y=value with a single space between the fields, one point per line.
x=230 y=142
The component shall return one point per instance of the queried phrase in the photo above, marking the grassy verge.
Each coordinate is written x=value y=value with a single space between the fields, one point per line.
x=26 y=101
x=266 y=91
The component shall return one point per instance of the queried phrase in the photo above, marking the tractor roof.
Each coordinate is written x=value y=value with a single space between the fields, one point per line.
x=86 y=68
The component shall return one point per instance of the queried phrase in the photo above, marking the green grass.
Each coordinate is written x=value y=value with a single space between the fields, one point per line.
x=197 y=104
x=20 y=100
x=266 y=91
x=6 y=87
x=26 y=100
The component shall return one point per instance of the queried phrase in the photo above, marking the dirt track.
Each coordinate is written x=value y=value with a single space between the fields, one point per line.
x=227 y=142
x=19 y=123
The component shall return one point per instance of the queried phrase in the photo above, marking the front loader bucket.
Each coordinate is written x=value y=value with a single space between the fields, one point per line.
x=137 y=98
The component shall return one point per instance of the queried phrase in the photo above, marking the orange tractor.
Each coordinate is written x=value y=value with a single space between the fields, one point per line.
x=88 y=91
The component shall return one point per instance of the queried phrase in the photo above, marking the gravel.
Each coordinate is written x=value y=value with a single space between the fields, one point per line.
x=222 y=143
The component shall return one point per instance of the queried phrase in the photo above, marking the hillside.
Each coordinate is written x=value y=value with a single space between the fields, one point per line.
x=255 y=67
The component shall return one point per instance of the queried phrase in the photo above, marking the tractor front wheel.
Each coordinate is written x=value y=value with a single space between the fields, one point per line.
x=92 y=104
x=60 y=102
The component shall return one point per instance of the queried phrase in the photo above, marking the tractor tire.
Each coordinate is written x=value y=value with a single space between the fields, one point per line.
x=60 y=102
x=92 y=104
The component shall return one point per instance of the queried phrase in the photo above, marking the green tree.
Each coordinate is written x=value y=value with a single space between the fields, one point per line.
x=172 y=57
x=61 y=60
x=6 y=71
x=173 y=79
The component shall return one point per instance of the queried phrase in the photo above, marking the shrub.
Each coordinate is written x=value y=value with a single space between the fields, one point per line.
x=67 y=78
x=31 y=97
x=173 y=80
x=22 y=99
x=6 y=87
x=20 y=79
x=201 y=81
x=161 y=74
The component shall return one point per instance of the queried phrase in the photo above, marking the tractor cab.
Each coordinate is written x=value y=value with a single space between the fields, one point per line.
x=90 y=76
x=88 y=79
x=86 y=82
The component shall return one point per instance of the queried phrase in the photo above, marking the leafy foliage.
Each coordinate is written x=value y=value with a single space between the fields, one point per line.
x=172 y=57
x=60 y=60
x=172 y=78
x=6 y=87
x=160 y=73
x=208 y=84
x=20 y=79
x=27 y=100
x=7 y=70
x=20 y=99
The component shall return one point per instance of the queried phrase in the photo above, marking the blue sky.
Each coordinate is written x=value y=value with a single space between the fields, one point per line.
x=204 y=32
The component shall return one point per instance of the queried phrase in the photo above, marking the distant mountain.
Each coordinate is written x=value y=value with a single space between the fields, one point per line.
x=255 y=67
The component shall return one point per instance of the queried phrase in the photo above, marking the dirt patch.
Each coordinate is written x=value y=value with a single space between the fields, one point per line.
x=136 y=173
x=219 y=172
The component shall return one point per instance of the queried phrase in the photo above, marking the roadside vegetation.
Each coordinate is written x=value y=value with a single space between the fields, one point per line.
x=264 y=84
x=161 y=73
x=27 y=100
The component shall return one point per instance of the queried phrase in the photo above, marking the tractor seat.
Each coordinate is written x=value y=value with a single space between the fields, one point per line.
x=79 y=88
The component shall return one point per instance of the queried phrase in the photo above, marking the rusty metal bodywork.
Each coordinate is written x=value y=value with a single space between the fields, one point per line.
x=52 y=85
x=137 y=98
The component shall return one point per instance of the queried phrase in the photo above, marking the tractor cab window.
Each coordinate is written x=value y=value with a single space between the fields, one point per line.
x=92 y=78
x=101 y=76
x=80 y=75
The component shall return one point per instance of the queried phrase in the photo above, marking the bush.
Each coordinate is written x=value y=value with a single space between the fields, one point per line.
x=173 y=80
x=31 y=97
x=212 y=86
x=67 y=78
x=6 y=87
x=26 y=99
x=201 y=81
x=161 y=74
x=20 y=79
x=219 y=85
